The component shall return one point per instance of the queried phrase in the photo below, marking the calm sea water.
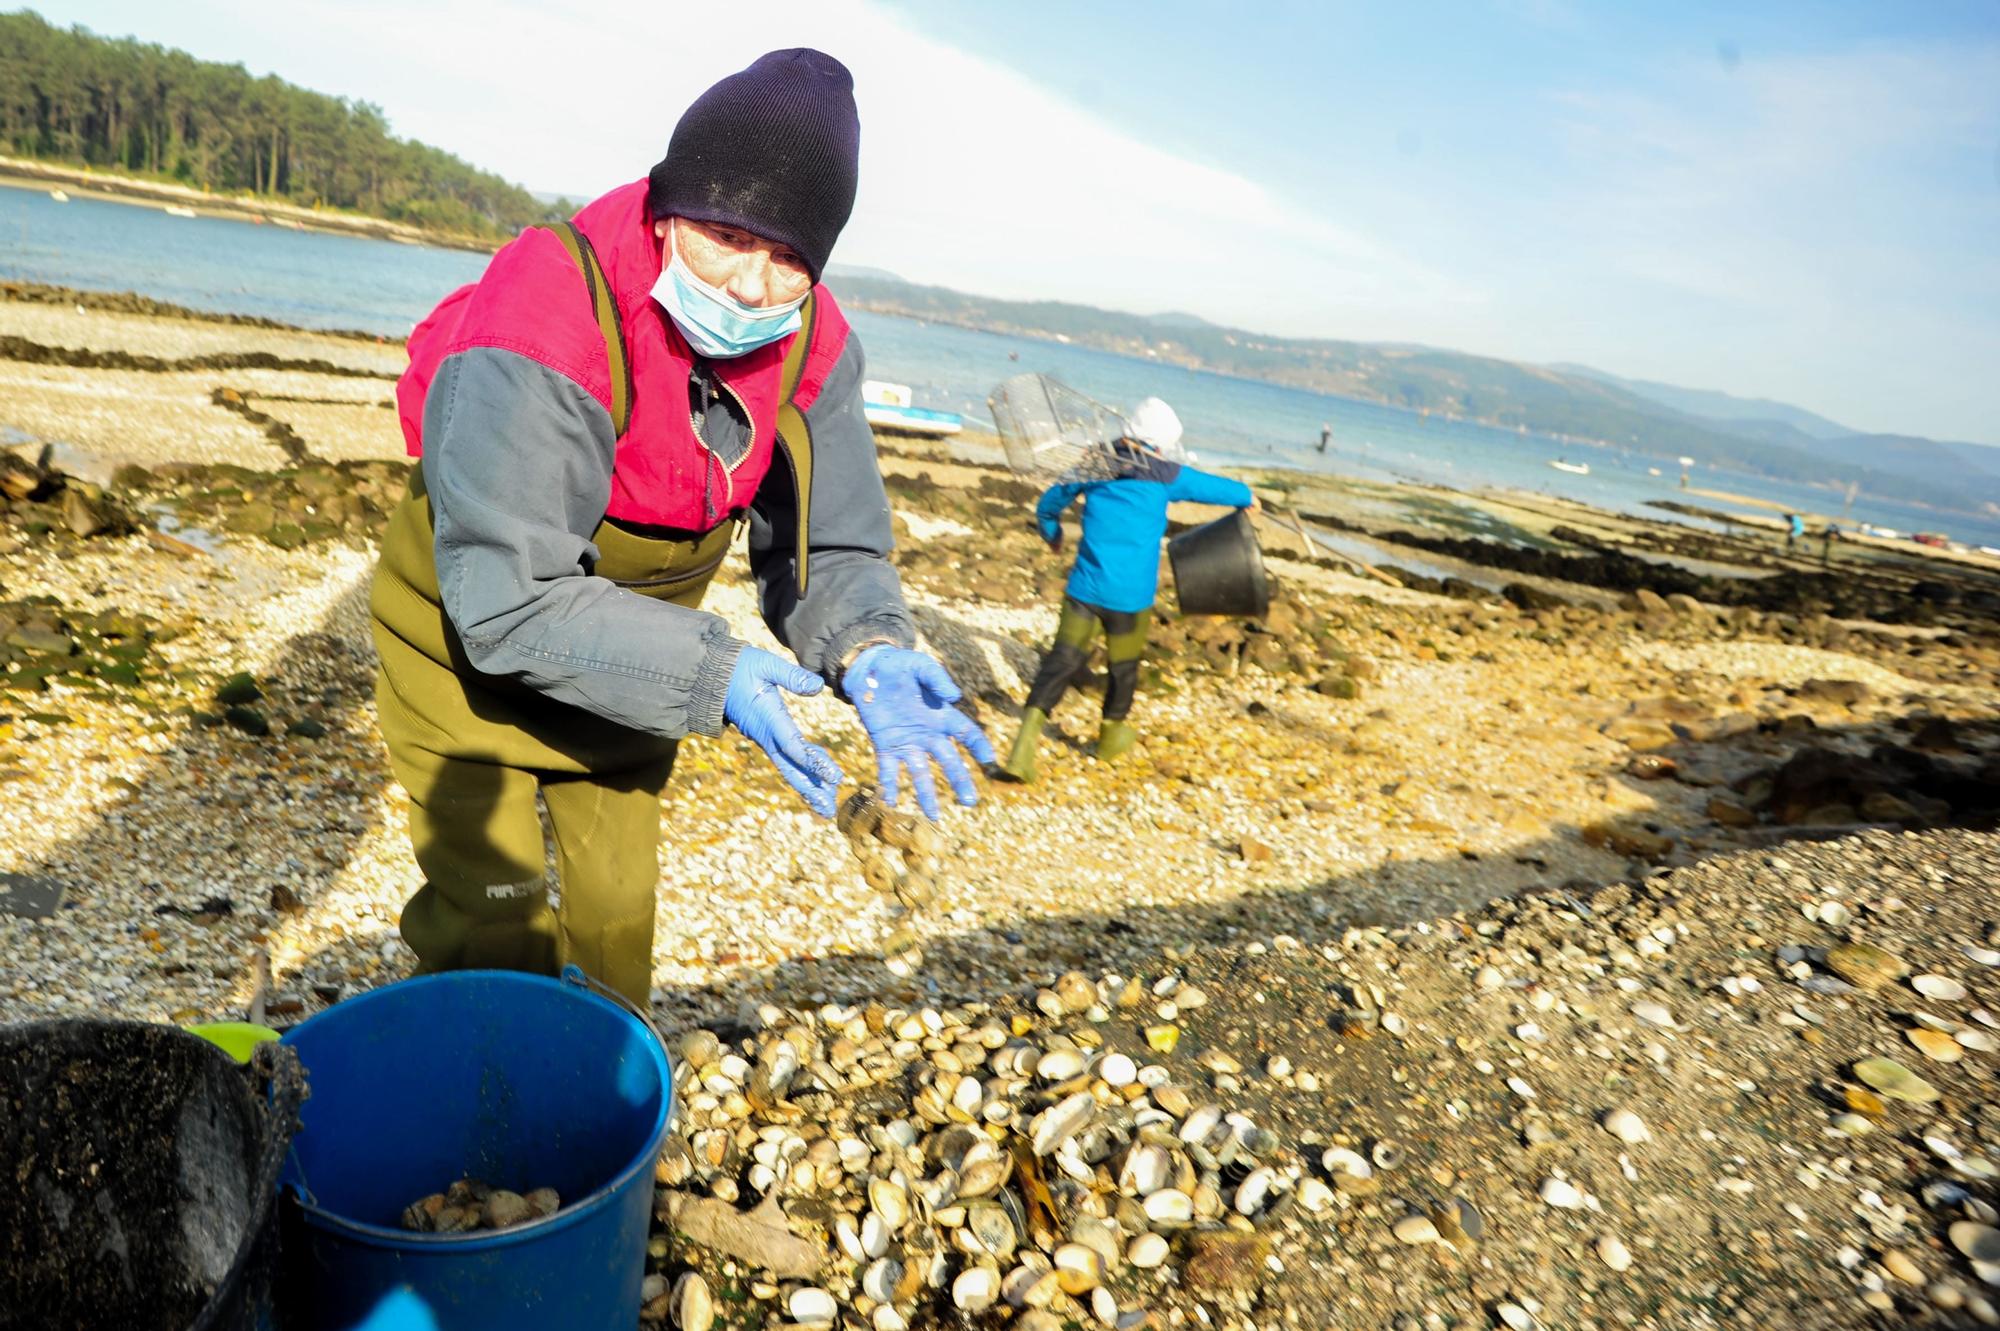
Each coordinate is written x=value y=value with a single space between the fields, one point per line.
x=327 y=281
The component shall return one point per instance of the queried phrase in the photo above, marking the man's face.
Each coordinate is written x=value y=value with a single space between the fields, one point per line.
x=758 y=272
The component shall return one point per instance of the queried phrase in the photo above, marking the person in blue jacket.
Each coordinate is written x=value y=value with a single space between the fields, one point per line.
x=1116 y=573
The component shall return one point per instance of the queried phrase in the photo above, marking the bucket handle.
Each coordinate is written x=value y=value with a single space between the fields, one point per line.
x=575 y=977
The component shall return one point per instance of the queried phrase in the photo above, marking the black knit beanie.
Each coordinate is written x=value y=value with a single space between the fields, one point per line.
x=774 y=149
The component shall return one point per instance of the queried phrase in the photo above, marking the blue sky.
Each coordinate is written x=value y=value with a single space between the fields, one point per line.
x=1793 y=201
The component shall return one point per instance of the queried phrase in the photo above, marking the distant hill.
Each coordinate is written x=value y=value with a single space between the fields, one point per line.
x=1711 y=405
x=1567 y=402
x=1780 y=423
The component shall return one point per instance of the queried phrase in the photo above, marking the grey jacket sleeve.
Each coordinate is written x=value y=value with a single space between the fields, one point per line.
x=517 y=460
x=853 y=595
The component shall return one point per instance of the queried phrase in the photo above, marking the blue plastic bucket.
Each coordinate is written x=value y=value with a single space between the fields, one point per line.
x=519 y=1080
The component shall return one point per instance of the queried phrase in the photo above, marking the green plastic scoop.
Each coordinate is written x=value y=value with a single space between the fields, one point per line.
x=235 y=1038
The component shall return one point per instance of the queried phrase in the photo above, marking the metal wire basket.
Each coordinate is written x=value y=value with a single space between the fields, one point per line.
x=1051 y=430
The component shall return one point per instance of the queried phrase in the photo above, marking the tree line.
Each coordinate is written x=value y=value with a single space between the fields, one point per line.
x=70 y=95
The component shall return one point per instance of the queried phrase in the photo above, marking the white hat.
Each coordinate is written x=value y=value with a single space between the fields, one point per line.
x=1154 y=424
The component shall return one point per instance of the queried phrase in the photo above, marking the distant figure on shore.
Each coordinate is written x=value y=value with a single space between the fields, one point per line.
x=1827 y=536
x=1116 y=574
x=1325 y=435
x=1796 y=527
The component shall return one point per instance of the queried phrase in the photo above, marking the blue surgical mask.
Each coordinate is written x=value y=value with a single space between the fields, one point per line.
x=715 y=323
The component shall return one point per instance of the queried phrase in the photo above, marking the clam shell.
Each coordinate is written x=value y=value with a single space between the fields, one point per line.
x=1169 y=1207
x=1033 y=1284
x=1200 y=1123
x=976 y=1289
x=1627 y=1127
x=1415 y=1229
x=889 y=1200
x=1339 y=1160
x=1255 y=1190
x=1611 y=1250
x=880 y=1279
x=1057 y=1124
x=1561 y=1193
x=693 y=1306
x=1147 y=1251
x=812 y=1305
x=1118 y=1070
x=1060 y=1064
x=1079 y=1269
x=1147 y=1169
x=1979 y=1242
x=1941 y=987
x=1891 y=1079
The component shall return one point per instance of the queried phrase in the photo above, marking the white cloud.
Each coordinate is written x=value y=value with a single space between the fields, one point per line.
x=973 y=175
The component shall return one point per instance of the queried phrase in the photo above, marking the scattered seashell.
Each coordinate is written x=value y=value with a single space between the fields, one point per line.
x=1515 y=1318
x=1118 y=1070
x=1561 y=1193
x=693 y=1306
x=812 y=1305
x=1936 y=1045
x=1339 y=1160
x=1940 y=987
x=1865 y=965
x=1984 y=956
x=880 y=1279
x=1057 y=1124
x=1414 y=1229
x=1627 y=1127
x=1060 y=1064
x=1981 y=1243
x=976 y=1289
x=1079 y=1269
x=1894 y=1081
x=1147 y=1251
x=1654 y=1014
x=1169 y=1207
x=1255 y=1190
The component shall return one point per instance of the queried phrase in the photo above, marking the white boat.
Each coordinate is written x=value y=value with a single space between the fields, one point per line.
x=1652 y=471
x=1574 y=468
x=179 y=210
x=888 y=407
x=60 y=196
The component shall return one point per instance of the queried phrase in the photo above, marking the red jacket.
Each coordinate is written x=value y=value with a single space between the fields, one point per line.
x=531 y=300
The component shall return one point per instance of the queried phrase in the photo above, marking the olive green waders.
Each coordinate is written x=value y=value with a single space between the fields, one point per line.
x=474 y=750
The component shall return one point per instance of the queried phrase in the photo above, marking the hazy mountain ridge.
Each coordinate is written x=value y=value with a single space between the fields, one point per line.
x=1569 y=402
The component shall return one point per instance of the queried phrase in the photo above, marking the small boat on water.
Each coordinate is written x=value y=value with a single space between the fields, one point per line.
x=1573 y=468
x=179 y=210
x=60 y=196
x=888 y=407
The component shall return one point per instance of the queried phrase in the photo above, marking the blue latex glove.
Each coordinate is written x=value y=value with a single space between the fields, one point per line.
x=755 y=705
x=905 y=702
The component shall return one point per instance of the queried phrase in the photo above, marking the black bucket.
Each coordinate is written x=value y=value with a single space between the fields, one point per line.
x=139 y=1173
x=1218 y=569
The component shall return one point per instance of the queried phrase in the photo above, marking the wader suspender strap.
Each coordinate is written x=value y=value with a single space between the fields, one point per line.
x=794 y=436
x=605 y=310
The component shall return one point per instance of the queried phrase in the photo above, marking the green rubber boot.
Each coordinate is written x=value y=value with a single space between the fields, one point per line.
x=1115 y=739
x=1020 y=762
